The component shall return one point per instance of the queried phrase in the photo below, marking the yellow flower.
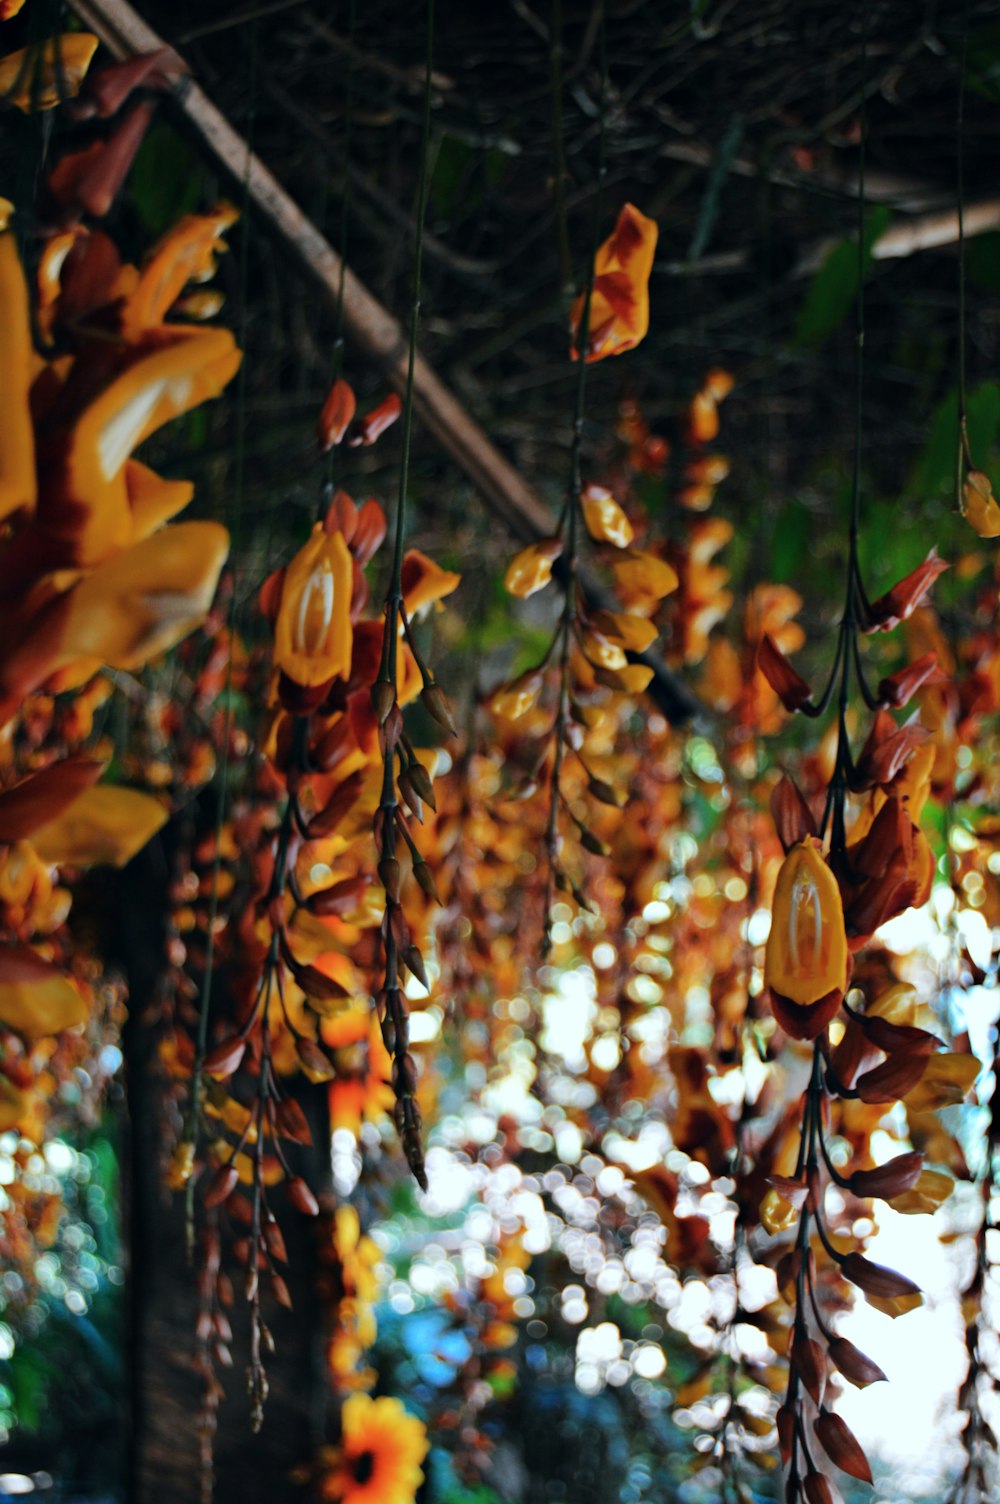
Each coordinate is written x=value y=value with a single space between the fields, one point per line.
x=313 y=635
x=805 y=963
x=979 y=504
x=17 y=444
x=357 y=1255
x=531 y=569
x=186 y=253
x=87 y=439
x=381 y=1451
x=105 y=824
x=38 y=77
x=604 y=517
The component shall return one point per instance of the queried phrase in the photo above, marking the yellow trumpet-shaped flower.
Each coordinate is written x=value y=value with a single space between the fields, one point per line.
x=805 y=962
x=17 y=442
x=313 y=635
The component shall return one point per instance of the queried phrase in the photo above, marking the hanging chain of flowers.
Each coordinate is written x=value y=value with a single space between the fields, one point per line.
x=586 y=658
x=839 y=881
x=336 y=748
x=411 y=782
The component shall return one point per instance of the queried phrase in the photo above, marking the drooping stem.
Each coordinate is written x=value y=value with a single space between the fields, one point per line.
x=193 y=1124
x=571 y=510
x=963 y=456
x=559 y=146
x=395 y=588
x=398 y=952
x=345 y=217
x=847 y=641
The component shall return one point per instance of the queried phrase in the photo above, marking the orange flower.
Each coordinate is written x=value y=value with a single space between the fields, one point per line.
x=703 y=414
x=83 y=578
x=186 y=253
x=643 y=579
x=890 y=866
x=805 y=962
x=17 y=446
x=313 y=636
x=137 y=605
x=979 y=505
x=95 y=424
x=39 y=77
x=619 y=301
x=36 y=998
x=381 y=1450
x=424 y=582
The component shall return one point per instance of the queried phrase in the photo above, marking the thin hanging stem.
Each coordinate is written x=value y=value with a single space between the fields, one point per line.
x=345 y=217
x=572 y=504
x=847 y=644
x=193 y=1125
x=860 y=315
x=389 y=1001
x=395 y=596
x=559 y=147
x=963 y=456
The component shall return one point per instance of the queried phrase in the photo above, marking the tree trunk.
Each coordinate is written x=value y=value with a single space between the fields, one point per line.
x=165 y=1392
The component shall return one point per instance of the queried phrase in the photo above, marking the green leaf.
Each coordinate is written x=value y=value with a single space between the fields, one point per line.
x=834 y=287
x=166 y=180
x=982 y=261
x=984 y=61
x=790 y=543
x=934 y=473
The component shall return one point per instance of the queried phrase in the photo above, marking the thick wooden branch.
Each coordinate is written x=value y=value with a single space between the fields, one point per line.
x=367 y=323
x=924 y=232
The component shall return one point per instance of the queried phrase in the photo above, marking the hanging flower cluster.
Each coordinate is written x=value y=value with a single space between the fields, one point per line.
x=828 y=902
x=301 y=947
x=93 y=578
x=588 y=660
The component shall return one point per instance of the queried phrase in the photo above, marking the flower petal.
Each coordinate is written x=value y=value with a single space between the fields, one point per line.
x=105 y=825
x=619 y=302
x=17 y=443
x=43 y=75
x=36 y=998
x=143 y=601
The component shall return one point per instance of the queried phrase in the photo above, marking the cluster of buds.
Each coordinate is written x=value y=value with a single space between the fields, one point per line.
x=405 y=781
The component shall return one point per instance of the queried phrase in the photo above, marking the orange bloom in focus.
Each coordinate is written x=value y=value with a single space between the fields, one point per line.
x=805 y=963
x=619 y=300
x=313 y=635
x=381 y=1451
